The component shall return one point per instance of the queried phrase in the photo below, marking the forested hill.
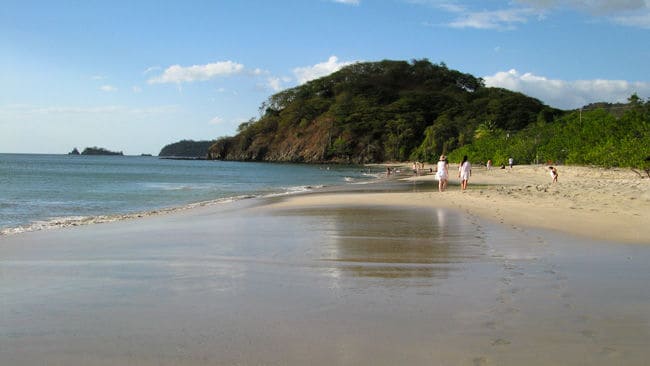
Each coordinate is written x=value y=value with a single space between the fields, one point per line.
x=379 y=111
x=187 y=149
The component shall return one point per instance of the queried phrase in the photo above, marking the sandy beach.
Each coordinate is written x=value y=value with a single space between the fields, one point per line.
x=512 y=271
x=599 y=203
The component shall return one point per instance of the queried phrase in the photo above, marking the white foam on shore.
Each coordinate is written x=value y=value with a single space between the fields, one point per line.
x=70 y=221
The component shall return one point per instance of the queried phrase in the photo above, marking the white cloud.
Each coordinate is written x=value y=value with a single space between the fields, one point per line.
x=305 y=74
x=98 y=77
x=633 y=13
x=639 y=21
x=597 y=7
x=274 y=83
x=151 y=69
x=446 y=5
x=258 y=72
x=136 y=89
x=498 y=19
x=216 y=121
x=568 y=94
x=348 y=2
x=21 y=111
x=181 y=74
x=108 y=88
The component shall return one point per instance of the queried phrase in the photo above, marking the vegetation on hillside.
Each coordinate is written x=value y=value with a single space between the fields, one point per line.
x=187 y=148
x=588 y=137
x=398 y=111
x=378 y=111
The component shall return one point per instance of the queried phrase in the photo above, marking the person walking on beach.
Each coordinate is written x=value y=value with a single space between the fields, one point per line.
x=511 y=162
x=489 y=164
x=553 y=173
x=464 y=172
x=442 y=173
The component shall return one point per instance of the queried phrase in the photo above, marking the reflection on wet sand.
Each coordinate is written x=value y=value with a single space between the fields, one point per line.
x=393 y=243
x=314 y=285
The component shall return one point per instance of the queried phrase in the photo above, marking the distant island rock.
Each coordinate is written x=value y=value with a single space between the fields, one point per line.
x=74 y=152
x=97 y=151
x=187 y=149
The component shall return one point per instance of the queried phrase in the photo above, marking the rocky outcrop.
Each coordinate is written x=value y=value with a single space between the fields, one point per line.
x=99 y=151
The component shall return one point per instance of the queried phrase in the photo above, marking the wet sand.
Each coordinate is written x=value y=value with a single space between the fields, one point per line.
x=322 y=279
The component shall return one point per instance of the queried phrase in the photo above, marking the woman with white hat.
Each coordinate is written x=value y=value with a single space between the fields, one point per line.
x=442 y=173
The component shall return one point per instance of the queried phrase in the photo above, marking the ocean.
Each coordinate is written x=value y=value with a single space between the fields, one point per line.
x=41 y=191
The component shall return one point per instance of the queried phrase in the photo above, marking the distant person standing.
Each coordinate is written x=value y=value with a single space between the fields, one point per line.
x=511 y=162
x=464 y=172
x=553 y=173
x=442 y=173
x=489 y=164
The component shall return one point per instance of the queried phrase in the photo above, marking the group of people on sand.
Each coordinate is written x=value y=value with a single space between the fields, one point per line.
x=418 y=168
x=465 y=171
x=442 y=173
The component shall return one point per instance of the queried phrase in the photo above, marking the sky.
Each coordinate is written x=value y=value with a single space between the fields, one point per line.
x=134 y=76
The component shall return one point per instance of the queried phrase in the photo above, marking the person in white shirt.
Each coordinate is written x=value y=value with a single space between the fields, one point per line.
x=442 y=173
x=553 y=172
x=464 y=172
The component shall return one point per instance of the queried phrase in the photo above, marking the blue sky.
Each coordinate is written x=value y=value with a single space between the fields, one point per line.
x=134 y=76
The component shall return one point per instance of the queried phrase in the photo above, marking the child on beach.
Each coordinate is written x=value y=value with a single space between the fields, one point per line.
x=553 y=173
x=442 y=173
x=464 y=172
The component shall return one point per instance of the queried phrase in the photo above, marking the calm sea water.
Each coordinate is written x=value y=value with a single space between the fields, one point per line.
x=38 y=190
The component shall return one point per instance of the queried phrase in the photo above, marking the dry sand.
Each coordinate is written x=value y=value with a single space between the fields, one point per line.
x=610 y=204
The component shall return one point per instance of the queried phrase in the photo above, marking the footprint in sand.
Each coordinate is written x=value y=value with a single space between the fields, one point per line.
x=511 y=310
x=500 y=342
x=609 y=351
x=492 y=325
x=588 y=333
x=480 y=361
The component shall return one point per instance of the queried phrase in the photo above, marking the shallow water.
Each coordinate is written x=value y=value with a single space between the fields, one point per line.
x=41 y=191
x=241 y=284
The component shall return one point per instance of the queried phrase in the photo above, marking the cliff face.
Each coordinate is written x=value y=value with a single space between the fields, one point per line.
x=307 y=144
x=372 y=112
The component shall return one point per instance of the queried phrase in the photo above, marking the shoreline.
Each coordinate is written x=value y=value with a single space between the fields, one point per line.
x=596 y=203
